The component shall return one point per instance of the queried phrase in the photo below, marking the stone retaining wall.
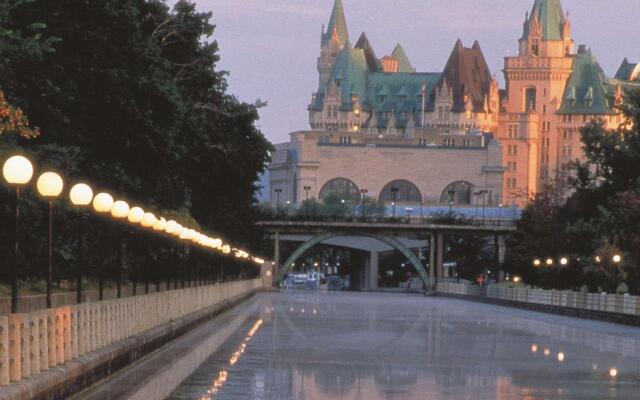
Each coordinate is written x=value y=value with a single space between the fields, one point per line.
x=623 y=309
x=33 y=343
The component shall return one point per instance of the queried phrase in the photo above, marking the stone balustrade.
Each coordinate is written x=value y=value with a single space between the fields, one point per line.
x=37 y=341
x=599 y=302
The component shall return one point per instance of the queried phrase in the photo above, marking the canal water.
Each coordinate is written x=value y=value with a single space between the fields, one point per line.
x=328 y=345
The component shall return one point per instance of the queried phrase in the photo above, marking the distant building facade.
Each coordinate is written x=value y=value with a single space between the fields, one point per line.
x=380 y=127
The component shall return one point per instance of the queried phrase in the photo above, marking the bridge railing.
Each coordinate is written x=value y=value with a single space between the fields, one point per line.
x=33 y=342
x=481 y=222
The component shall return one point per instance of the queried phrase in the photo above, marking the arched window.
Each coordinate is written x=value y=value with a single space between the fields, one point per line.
x=402 y=192
x=459 y=191
x=342 y=188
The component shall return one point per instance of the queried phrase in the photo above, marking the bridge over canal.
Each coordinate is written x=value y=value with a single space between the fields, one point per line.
x=396 y=234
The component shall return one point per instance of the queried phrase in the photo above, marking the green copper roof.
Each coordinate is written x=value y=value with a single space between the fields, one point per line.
x=399 y=94
x=338 y=22
x=587 y=91
x=404 y=65
x=350 y=74
x=551 y=17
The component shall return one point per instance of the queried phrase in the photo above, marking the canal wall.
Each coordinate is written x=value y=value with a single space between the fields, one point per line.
x=54 y=353
x=621 y=309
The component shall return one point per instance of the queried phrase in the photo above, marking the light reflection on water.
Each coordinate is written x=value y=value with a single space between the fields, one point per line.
x=355 y=346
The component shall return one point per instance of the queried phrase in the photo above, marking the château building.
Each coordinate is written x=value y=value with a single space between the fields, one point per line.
x=379 y=126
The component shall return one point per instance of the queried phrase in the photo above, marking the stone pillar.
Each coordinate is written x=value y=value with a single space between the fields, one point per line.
x=74 y=326
x=4 y=351
x=25 y=348
x=81 y=328
x=502 y=249
x=66 y=332
x=374 y=266
x=96 y=329
x=43 y=339
x=34 y=343
x=59 y=335
x=15 y=337
x=440 y=255
x=432 y=259
x=276 y=253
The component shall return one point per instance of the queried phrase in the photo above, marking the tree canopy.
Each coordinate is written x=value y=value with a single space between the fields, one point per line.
x=127 y=95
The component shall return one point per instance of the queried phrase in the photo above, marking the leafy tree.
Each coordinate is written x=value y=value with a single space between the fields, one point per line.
x=127 y=95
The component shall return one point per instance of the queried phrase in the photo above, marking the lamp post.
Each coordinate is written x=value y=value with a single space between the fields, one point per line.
x=149 y=221
x=363 y=192
x=80 y=195
x=119 y=211
x=278 y=191
x=50 y=186
x=394 y=194
x=17 y=171
x=499 y=214
x=135 y=216
x=103 y=204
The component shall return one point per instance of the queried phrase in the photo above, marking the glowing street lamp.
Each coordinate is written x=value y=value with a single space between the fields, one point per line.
x=549 y=262
x=149 y=220
x=160 y=225
x=537 y=262
x=617 y=258
x=17 y=171
x=564 y=261
x=120 y=210
x=135 y=215
x=50 y=186
x=81 y=196
x=103 y=203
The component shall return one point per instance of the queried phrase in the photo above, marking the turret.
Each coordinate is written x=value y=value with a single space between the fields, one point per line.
x=332 y=41
x=546 y=31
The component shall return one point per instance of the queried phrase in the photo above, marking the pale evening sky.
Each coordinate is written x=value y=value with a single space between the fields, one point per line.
x=270 y=47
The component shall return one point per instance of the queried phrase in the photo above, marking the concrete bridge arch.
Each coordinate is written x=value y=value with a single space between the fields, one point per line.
x=389 y=240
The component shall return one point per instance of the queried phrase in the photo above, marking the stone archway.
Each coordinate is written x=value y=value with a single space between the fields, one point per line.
x=391 y=241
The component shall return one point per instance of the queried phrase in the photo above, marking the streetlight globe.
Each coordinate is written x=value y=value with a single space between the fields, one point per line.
x=564 y=261
x=617 y=258
x=179 y=231
x=149 y=220
x=171 y=227
x=17 y=170
x=81 y=194
x=135 y=215
x=160 y=224
x=120 y=209
x=50 y=185
x=537 y=262
x=549 y=261
x=103 y=203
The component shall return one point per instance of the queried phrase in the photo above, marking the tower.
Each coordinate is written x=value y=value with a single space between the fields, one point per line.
x=535 y=84
x=332 y=41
